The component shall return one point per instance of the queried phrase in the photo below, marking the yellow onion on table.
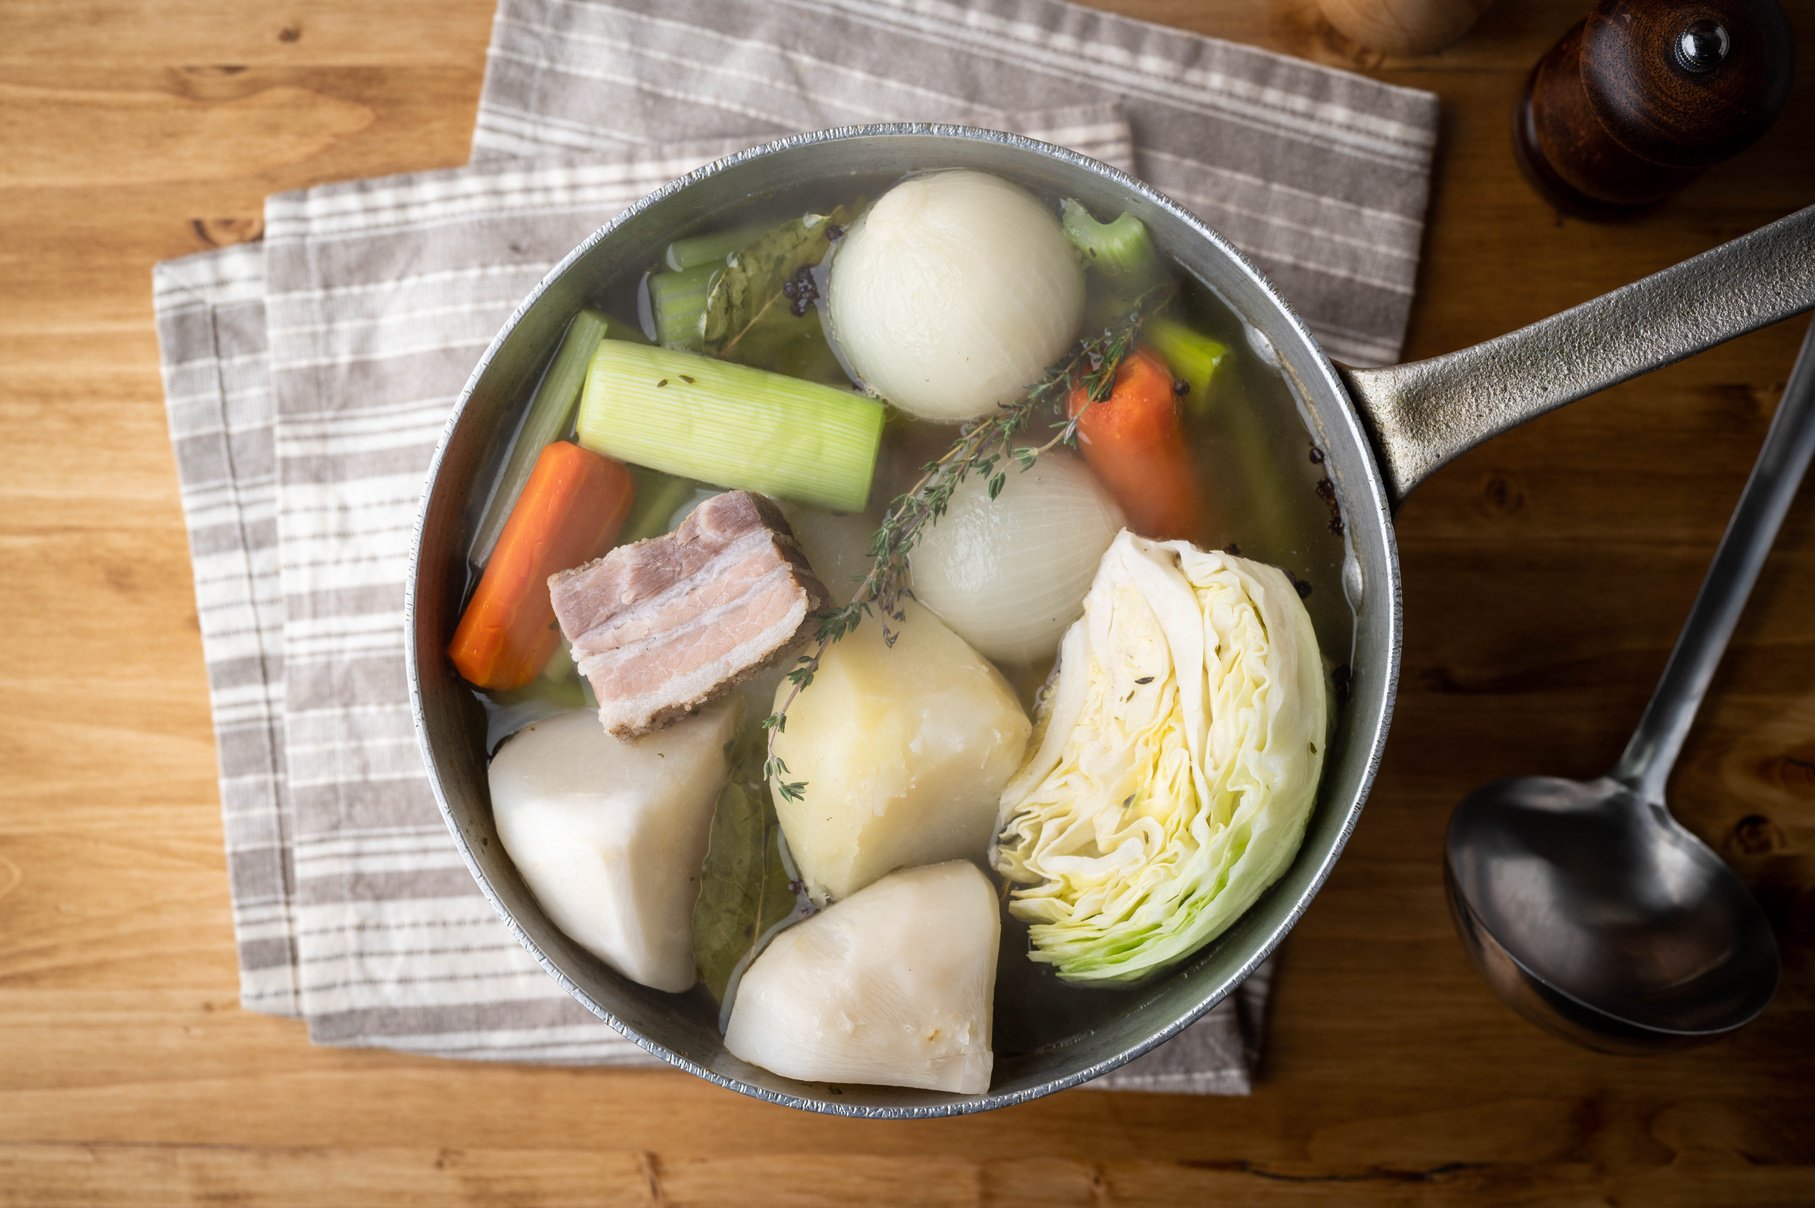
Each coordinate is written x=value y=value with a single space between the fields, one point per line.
x=953 y=294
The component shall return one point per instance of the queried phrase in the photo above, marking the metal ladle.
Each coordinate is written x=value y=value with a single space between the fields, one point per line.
x=1587 y=907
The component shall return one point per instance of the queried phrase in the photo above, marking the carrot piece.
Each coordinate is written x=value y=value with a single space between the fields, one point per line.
x=569 y=512
x=1135 y=444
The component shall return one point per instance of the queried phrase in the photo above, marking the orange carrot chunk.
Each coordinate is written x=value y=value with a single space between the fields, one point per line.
x=571 y=508
x=1135 y=444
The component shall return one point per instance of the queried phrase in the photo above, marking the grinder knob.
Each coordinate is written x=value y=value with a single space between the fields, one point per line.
x=1642 y=95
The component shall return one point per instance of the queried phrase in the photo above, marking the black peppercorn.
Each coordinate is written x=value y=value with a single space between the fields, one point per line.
x=801 y=291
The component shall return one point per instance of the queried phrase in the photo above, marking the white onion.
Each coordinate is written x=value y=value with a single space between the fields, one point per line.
x=954 y=293
x=1009 y=574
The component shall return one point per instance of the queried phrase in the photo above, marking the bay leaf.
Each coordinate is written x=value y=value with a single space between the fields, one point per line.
x=749 y=319
x=746 y=890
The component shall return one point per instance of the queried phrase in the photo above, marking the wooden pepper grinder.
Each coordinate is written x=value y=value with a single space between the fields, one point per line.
x=1642 y=95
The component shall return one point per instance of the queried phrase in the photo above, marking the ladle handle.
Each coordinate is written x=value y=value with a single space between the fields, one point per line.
x=1788 y=447
x=1424 y=413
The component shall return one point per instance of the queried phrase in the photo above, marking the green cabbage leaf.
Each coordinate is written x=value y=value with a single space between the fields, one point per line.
x=1174 y=764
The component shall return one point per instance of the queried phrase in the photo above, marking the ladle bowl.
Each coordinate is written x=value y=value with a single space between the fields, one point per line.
x=1595 y=915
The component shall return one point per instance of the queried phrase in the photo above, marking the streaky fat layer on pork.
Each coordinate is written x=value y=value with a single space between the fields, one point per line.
x=663 y=626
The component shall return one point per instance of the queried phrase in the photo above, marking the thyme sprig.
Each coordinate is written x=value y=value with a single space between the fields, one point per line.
x=985 y=449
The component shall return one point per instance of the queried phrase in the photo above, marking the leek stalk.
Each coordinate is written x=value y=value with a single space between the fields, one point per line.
x=714 y=247
x=677 y=304
x=731 y=425
x=550 y=414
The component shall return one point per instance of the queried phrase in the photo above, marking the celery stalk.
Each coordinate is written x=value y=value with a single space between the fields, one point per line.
x=714 y=247
x=1116 y=249
x=731 y=425
x=550 y=413
x=659 y=496
x=1189 y=354
x=677 y=303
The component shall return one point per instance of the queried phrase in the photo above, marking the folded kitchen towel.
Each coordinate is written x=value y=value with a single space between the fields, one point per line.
x=307 y=379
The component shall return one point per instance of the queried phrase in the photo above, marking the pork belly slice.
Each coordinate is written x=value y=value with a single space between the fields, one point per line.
x=663 y=626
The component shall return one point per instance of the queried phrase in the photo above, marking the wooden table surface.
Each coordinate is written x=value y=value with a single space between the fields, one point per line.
x=1546 y=575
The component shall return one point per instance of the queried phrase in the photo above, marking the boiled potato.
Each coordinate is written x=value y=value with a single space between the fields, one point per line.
x=903 y=751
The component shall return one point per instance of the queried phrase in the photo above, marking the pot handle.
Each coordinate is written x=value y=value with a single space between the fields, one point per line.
x=1423 y=413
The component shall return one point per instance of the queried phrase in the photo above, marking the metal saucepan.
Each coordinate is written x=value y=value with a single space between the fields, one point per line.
x=1382 y=431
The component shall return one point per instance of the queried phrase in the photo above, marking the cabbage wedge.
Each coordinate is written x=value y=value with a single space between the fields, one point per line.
x=1175 y=763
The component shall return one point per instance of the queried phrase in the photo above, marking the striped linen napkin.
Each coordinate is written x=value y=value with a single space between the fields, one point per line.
x=307 y=380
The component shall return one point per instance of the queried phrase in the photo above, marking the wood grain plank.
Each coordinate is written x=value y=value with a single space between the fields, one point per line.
x=325 y=33
x=54 y=1174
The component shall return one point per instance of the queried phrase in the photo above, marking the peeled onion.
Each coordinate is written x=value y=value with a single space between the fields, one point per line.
x=1009 y=574
x=954 y=293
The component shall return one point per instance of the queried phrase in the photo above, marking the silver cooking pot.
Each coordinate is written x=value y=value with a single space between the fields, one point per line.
x=1382 y=431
